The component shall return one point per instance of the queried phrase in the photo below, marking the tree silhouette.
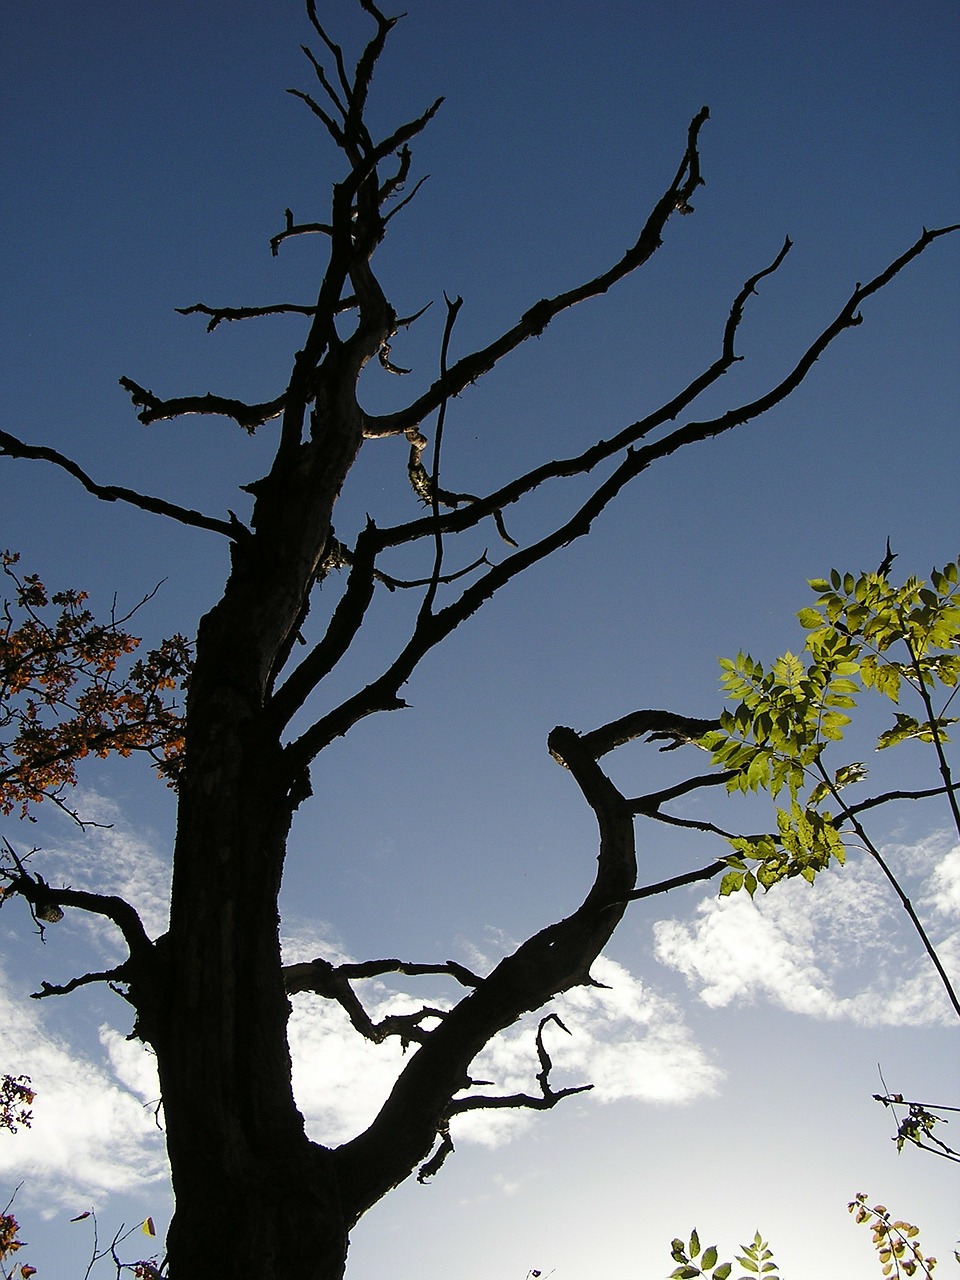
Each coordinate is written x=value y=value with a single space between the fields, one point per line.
x=211 y=995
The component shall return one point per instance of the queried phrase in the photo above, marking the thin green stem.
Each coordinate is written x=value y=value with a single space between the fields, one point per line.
x=894 y=882
x=934 y=730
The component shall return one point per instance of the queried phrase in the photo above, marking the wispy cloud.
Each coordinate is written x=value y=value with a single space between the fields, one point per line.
x=111 y=858
x=91 y=1133
x=842 y=948
x=625 y=1040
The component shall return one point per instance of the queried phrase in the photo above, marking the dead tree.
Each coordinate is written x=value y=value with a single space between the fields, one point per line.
x=211 y=995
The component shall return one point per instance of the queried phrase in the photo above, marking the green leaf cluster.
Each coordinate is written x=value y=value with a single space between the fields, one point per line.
x=923 y=618
x=695 y=1261
x=756 y=1259
x=864 y=634
x=806 y=841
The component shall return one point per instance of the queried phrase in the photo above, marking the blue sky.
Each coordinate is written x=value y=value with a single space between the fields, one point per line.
x=149 y=154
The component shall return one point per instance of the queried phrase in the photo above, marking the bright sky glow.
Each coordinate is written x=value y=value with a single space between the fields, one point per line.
x=149 y=154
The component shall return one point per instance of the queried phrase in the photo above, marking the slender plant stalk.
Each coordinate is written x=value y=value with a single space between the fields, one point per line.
x=898 y=890
x=924 y=692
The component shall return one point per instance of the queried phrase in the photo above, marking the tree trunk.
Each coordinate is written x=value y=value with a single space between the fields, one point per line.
x=253 y=1194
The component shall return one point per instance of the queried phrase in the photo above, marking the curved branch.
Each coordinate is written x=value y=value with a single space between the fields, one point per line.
x=381 y=694
x=49 y=902
x=874 y=801
x=694 y=432
x=554 y=960
x=14 y=448
x=548 y=1096
x=585 y=462
x=677 y=882
x=248 y=416
x=333 y=983
x=297 y=229
x=535 y=320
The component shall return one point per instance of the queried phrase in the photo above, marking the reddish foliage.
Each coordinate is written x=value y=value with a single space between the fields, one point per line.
x=16 y=1097
x=63 y=696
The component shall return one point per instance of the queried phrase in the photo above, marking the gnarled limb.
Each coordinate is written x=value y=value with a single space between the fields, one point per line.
x=117 y=974
x=554 y=960
x=154 y=409
x=47 y=903
x=333 y=982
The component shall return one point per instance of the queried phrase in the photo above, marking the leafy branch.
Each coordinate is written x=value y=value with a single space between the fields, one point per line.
x=896 y=1242
x=757 y=1259
x=776 y=736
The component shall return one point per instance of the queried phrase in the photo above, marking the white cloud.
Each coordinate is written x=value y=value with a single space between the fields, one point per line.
x=625 y=1040
x=842 y=948
x=943 y=894
x=111 y=858
x=91 y=1134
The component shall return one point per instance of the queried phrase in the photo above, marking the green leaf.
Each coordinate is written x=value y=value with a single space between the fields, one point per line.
x=709 y=1258
x=810 y=618
x=848 y=774
x=904 y=727
x=818 y=794
x=723 y=1271
x=731 y=883
x=845 y=686
x=694 y=1243
x=758 y=773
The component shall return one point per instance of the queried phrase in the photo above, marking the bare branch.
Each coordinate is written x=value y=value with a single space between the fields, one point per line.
x=118 y=974
x=432 y=1167
x=677 y=882
x=649 y=805
x=402 y=204
x=888 y=796
x=453 y=310
x=248 y=416
x=553 y=960
x=334 y=48
x=548 y=1096
x=14 y=448
x=583 y=463
x=219 y=314
x=333 y=983
x=324 y=82
x=336 y=133
x=297 y=229
x=660 y=725
x=535 y=320
x=48 y=903
x=325 y=979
